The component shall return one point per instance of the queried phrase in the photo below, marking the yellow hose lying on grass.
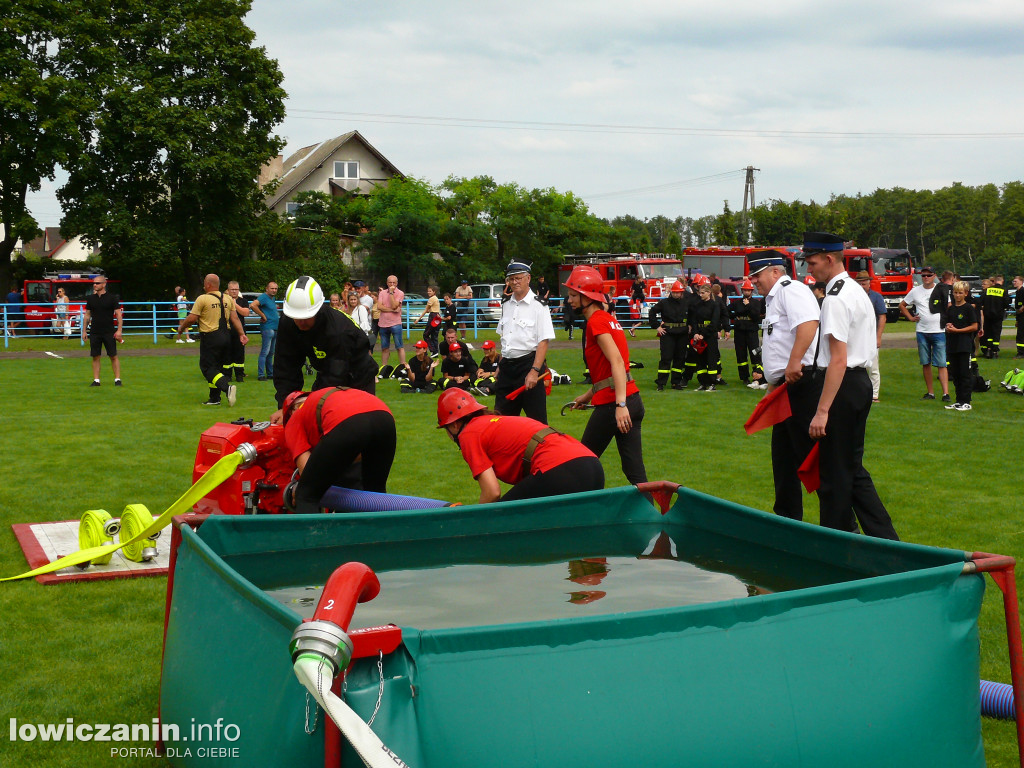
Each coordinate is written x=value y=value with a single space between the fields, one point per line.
x=216 y=475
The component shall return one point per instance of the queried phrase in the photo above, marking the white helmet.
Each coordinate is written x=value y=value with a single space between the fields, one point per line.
x=303 y=298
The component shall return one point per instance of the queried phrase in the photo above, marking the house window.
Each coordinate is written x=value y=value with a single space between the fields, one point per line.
x=346 y=169
x=290 y=209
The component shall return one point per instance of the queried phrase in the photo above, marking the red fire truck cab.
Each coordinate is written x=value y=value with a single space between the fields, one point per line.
x=39 y=295
x=619 y=270
x=892 y=273
x=729 y=263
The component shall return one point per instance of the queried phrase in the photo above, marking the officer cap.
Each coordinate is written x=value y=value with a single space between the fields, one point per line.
x=517 y=268
x=761 y=260
x=817 y=242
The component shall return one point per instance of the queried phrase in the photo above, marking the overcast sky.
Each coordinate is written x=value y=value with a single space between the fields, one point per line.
x=655 y=107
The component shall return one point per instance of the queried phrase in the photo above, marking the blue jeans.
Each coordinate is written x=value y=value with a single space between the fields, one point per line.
x=931 y=349
x=266 y=361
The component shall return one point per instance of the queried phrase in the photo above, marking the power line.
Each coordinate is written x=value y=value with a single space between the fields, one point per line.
x=537 y=125
x=700 y=181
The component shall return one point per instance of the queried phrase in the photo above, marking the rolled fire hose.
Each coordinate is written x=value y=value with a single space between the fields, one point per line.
x=321 y=650
x=95 y=529
x=216 y=475
x=134 y=520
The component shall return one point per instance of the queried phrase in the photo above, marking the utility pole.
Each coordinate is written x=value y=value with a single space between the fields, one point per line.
x=748 y=196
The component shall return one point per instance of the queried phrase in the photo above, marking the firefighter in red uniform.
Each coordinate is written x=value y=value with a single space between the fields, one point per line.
x=330 y=430
x=618 y=409
x=535 y=459
x=668 y=318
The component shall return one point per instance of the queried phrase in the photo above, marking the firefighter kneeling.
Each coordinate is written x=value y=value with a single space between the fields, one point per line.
x=331 y=430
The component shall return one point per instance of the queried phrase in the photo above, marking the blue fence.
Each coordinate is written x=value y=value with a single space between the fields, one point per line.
x=153 y=318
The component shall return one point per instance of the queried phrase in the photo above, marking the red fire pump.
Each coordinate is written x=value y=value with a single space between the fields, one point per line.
x=258 y=485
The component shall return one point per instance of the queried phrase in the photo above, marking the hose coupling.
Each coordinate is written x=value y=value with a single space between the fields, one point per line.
x=148 y=553
x=325 y=639
x=248 y=453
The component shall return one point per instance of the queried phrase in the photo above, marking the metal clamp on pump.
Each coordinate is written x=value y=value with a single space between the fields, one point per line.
x=248 y=453
x=325 y=639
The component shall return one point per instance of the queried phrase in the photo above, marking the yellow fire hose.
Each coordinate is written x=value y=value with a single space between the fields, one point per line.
x=216 y=475
x=96 y=529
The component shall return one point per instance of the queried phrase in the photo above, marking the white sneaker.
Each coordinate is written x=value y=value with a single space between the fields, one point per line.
x=963 y=406
x=753 y=385
x=179 y=341
x=191 y=341
x=232 y=394
x=763 y=385
x=951 y=407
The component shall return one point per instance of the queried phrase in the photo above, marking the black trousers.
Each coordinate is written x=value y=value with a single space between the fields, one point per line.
x=707 y=362
x=846 y=486
x=602 y=428
x=430 y=333
x=575 y=476
x=236 y=359
x=747 y=346
x=370 y=434
x=214 y=352
x=673 y=357
x=791 y=443
x=1020 y=337
x=960 y=375
x=512 y=375
x=993 y=331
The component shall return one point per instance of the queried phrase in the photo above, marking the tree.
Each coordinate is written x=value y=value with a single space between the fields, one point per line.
x=173 y=151
x=47 y=86
x=725 y=229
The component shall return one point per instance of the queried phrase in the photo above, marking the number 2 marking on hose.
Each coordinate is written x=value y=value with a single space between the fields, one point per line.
x=329 y=606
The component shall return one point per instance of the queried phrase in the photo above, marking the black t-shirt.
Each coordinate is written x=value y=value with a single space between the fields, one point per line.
x=101 y=309
x=960 y=317
x=420 y=367
x=464 y=367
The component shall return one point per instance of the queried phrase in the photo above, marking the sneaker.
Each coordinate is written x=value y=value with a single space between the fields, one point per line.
x=232 y=394
x=660 y=387
x=117 y=383
x=701 y=389
x=946 y=398
x=212 y=402
x=95 y=383
x=190 y=341
x=468 y=346
x=928 y=396
x=962 y=406
x=680 y=387
x=179 y=341
x=721 y=383
x=952 y=407
x=710 y=388
x=753 y=385
x=261 y=378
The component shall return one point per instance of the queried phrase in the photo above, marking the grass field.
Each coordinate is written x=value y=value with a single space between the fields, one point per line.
x=91 y=651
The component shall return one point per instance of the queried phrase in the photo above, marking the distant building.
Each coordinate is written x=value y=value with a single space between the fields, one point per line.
x=344 y=165
x=52 y=245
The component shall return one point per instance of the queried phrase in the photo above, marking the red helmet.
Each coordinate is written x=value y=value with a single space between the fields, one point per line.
x=699 y=345
x=678 y=287
x=747 y=285
x=699 y=280
x=488 y=344
x=453 y=404
x=286 y=406
x=586 y=281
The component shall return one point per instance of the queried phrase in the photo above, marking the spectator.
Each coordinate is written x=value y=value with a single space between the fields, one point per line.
x=961 y=328
x=931 y=341
x=359 y=314
x=463 y=299
x=390 y=323
x=543 y=290
x=335 y=301
x=265 y=306
x=525 y=329
x=181 y=305
x=433 y=314
x=878 y=305
x=13 y=310
x=458 y=369
x=60 y=310
x=102 y=309
x=450 y=312
x=216 y=315
x=330 y=341
x=450 y=337
x=536 y=460
x=421 y=371
x=327 y=438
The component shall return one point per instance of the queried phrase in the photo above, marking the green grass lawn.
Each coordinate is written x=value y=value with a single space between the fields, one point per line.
x=91 y=651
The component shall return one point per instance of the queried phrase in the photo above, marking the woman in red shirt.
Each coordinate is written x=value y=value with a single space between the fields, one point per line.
x=327 y=432
x=533 y=458
x=618 y=409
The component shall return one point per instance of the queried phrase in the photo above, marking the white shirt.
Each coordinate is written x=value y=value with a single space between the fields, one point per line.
x=361 y=315
x=788 y=305
x=920 y=297
x=523 y=326
x=847 y=316
x=367 y=301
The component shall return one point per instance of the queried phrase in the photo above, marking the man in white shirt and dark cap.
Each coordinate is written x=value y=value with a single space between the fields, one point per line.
x=846 y=344
x=787 y=353
x=525 y=329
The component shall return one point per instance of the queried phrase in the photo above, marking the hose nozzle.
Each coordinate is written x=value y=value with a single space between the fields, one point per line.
x=325 y=639
x=248 y=453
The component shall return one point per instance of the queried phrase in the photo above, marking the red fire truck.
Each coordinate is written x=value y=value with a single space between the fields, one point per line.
x=729 y=262
x=39 y=295
x=619 y=270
